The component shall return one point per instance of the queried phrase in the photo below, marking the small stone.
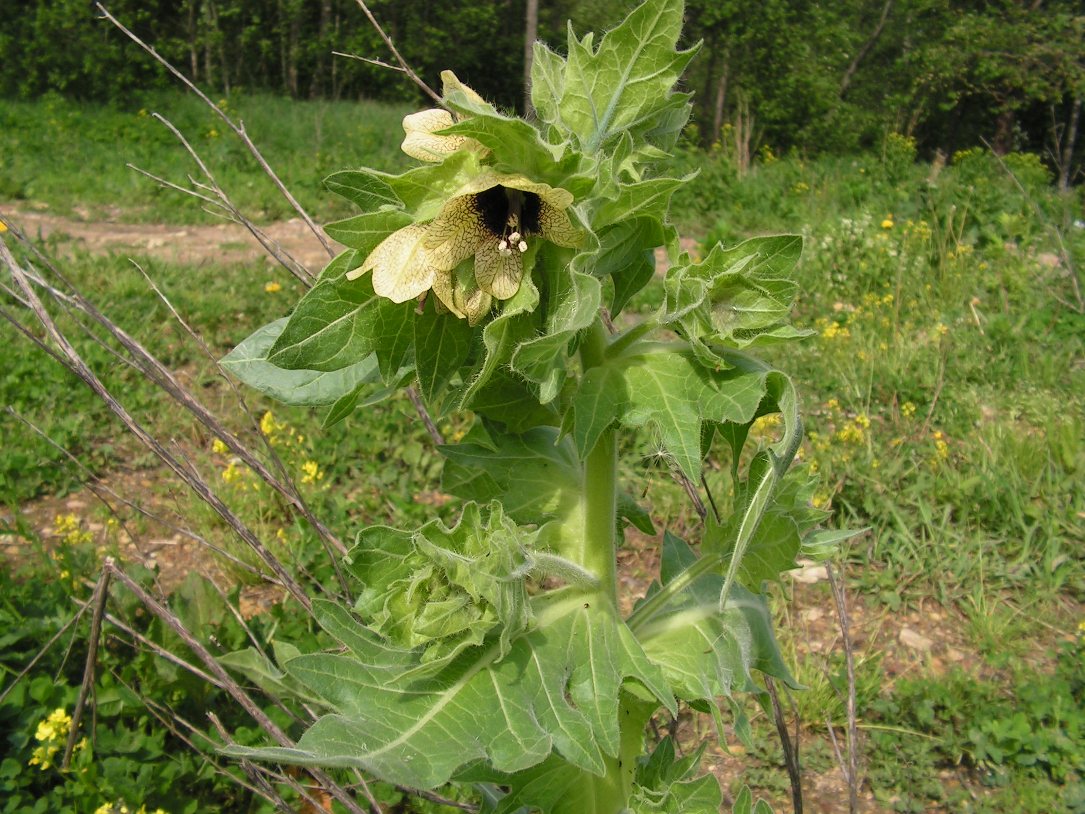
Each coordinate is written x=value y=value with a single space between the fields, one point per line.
x=915 y=640
x=808 y=573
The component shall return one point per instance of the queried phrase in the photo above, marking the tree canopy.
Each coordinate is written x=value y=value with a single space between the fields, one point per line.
x=790 y=74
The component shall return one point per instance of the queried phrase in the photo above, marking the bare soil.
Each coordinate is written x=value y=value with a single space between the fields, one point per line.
x=225 y=242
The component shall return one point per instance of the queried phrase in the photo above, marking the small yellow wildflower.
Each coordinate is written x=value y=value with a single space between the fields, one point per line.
x=942 y=329
x=888 y=222
x=70 y=529
x=233 y=473
x=272 y=287
x=212 y=133
x=268 y=425
x=835 y=331
x=941 y=446
x=51 y=734
x=311 y=472
x=218 y=446
x=3 y=227
x=907 y=409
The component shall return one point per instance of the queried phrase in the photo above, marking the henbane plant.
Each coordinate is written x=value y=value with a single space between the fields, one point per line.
x=494 y=278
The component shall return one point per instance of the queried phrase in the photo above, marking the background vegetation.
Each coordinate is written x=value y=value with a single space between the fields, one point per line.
x=782 y=75
x=943 y=383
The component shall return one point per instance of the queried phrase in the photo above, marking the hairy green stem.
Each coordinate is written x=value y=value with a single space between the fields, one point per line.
x=600 y=498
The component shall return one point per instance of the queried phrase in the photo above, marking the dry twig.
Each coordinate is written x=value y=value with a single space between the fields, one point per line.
x=237 y=127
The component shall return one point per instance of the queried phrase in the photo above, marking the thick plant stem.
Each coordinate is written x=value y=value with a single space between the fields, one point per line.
x=600 y=507
x=600 y=498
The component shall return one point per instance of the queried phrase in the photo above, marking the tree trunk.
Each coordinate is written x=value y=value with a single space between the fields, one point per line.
x=849 y=74
x=1003 y=140
x=319 y=85
x=1068 y=142
x=721 y=99
x=531 y=33
x=194 y=40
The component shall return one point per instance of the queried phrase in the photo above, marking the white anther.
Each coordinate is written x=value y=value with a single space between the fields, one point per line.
x=503 y=246
x=522 y=246
x=514 y=237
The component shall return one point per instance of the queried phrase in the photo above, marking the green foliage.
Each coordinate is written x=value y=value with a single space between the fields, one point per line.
x=1029 y=741
x=64 y=153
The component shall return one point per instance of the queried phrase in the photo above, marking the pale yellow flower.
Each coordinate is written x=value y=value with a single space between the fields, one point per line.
x=272 y=287
x=423 y=139
x=491 y=217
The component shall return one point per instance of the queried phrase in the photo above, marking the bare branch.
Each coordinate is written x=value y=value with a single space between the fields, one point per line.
x=237 y=127
x=228 y=683
x=790 y=748
x=190 y=477
x=222 y=201
x=851 y=772
x=97 y=602
x=399 y=57
x=380 y=63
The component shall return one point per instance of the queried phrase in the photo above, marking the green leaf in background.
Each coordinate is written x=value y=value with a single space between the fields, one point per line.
x=705 y=652
x=574 y=304
x=537 y=477
x=508 y=400
x=666 y=784
x=248 y=361
x=666 y=388
x=503 y=335
x=641 y=199
x=626 y=253
x=363 y=188
x=362 y=233
x=738 y=296
x=557 y=690
x=441 y=345
x=340 y=321
x=770 y=551
x=623 y=85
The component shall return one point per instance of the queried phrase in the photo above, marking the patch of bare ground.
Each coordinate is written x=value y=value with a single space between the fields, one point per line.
x=225 y=242
x=156 y=536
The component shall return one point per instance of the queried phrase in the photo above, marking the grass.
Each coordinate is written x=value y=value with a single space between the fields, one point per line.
x=943 y=392
x=65 y=155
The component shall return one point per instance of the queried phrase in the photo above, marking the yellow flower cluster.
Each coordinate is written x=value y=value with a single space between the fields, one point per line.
x=311 y=472
x=907 y=409
x=854 y=431
x=941 y=445
x=284 y=437
x=52 y=734
x=121 y=808
x=887 y=223
x=273 y=287
x=831 y=329
x=70 y=529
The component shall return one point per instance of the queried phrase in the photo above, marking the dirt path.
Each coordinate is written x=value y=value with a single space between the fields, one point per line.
x=193 y=244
